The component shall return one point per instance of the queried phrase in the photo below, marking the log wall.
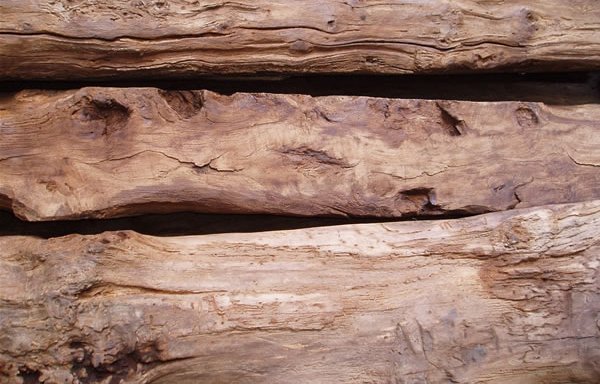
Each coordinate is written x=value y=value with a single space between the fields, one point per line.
x=469 y=249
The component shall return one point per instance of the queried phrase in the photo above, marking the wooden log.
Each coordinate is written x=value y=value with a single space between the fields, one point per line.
x=68 y=39
x=105 y=152
x=508 y=297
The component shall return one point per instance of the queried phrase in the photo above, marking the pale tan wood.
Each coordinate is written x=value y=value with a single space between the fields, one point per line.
x=67 y=39
x=105 y=152
x=509 y=297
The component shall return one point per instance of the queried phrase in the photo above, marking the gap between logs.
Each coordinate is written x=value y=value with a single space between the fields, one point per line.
x=552 y=88
x=187 y=224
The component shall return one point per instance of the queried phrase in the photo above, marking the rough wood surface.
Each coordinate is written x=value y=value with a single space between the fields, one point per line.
x=104 y=152
x=508 y=297
x=106 y=39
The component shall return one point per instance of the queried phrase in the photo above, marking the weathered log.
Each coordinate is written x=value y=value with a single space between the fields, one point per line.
x=105 y=152
x=508 y=297
x=68 y=39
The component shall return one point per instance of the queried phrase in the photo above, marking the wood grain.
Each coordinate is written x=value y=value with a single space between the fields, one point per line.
x=66 y=39
x=508 y=297
x=106 y=152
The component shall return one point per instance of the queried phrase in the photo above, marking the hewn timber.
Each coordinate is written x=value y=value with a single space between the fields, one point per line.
x=106 y=152
x=67 y=39
x=507 y=297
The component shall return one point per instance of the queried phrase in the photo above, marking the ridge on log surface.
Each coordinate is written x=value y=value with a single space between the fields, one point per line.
x=67 y=39
x=108 y=152
x=506 y=297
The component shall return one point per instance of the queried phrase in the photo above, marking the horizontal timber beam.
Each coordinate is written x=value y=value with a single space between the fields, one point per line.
x=108 y=152
x=111 y=39
x=507 y=297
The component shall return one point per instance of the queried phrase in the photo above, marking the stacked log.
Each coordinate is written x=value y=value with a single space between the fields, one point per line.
x=67 y=39
x=105 y=152
x=503 y=297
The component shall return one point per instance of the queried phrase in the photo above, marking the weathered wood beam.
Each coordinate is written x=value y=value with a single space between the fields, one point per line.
x=106 y=152
x=68 y=39
x=508 y=297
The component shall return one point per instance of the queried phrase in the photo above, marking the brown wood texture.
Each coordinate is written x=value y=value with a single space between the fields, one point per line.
x=66 y=39
x=507 y=297
x=106 y=152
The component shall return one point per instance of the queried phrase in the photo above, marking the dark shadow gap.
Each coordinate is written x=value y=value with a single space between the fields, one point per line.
x=186 y=224
x=552 y=88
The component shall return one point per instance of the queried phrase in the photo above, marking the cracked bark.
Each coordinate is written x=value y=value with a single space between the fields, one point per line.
x=108 y=152
x=114 y=39
x=511 y=297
